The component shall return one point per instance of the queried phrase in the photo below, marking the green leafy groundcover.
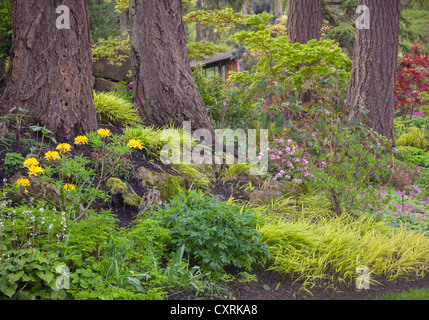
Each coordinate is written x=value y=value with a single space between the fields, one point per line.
x=413 y=155
x=215 y=234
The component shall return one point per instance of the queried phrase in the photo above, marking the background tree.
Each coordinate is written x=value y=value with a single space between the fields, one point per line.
x=304 y=24
x=373 y=75
x=164 y=88
x=304 y=20
x=103 y=20
x=5 y=35
x=414 y=23
x=50 y=70
x=198 y=25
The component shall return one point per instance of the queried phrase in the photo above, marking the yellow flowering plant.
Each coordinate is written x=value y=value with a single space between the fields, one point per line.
x=81 y=140
x=64 y=147
x=52 y=155
x=111 y=154
x=135 y=144
x=104 y=133
x=69 y=187
x=35 y=170
x=30 y=162
x=73 y=174
x=23 y=183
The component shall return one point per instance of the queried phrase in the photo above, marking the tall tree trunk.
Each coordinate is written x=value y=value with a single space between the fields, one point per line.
x=164 y=88
x=51 y=69
x=304 y=20
x=373 y=74
x=245 y=7
x=304 y=24
x=124 y=23
x=277 y=8
x=199 y=26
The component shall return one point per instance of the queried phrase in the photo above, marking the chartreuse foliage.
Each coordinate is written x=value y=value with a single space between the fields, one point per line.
x=328 y=250
x=295 y=66
x=413 y=138
x=116 y=109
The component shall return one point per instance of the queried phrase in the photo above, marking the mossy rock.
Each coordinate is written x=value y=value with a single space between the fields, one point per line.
x=171 y=186
x=116 y=186
x=148 y=178
x=132 y=200
x=265 y=196
x=123 y=194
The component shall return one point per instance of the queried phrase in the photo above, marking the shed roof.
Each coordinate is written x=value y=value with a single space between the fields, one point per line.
x=215 y=59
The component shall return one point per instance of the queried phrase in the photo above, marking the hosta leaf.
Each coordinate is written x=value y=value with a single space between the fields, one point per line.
x=14 y=277
x=46 y=276
x=7 y=288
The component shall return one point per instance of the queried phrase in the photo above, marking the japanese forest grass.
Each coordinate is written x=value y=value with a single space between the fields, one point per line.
x=116 y=109
x=311 y=245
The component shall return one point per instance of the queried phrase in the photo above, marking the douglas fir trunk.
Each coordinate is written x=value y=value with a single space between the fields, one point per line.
x=373 y=75
x=304 y=24
x=51 y=68
x=164 y=88
x=304 y=20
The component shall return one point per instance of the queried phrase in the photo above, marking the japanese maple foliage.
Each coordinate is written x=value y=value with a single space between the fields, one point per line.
x=412 y=79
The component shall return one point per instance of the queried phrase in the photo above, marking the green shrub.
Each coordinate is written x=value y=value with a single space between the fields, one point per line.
x=345 y=155
x=28 y=275
x=414 y=156
x=215 y=234
x=115 y=108
x=227 y=106
x=152 y=239
x=413 y=138
x=13 y=163
x=89 y=238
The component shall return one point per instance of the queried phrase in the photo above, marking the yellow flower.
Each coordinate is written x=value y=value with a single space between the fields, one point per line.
x=64 y=147
x=81 y=140
x=31 y=162
x=23 y=182
x=69 y=187
x=135 y=143
x=52 y=155
x=35 y=170
x=104 y=132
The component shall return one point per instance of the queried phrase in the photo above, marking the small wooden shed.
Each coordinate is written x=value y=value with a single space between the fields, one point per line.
x=223 y=64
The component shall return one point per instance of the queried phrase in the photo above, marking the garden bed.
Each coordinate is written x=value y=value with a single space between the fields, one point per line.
x=260 y=283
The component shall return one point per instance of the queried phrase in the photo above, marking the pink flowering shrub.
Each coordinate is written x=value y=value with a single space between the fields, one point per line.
x=408 y=208
x=286 y=161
